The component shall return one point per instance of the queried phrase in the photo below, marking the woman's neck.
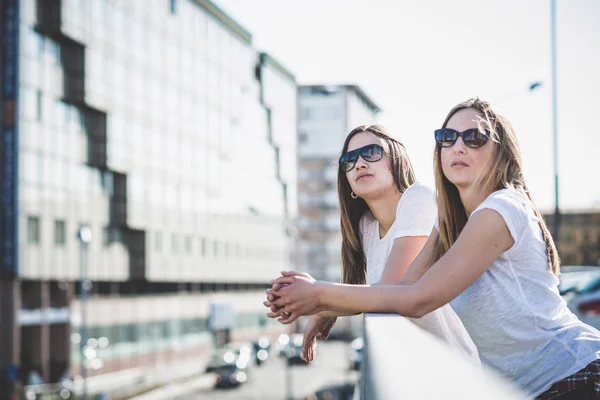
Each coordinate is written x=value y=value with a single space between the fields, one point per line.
x=471 y=198
x=384 y=211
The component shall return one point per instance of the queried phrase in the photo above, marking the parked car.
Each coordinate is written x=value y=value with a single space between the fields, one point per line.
x=230 y=376
x=240 y=355
x=580 y=287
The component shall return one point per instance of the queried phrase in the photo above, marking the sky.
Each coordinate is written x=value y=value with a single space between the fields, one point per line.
x=418 y=58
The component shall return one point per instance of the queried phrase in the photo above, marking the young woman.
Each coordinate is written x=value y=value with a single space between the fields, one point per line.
x=386 y=218
x=492 y=256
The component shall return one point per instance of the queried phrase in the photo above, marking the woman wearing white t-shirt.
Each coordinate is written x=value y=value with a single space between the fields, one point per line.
x=491 y=256
x=386 y=219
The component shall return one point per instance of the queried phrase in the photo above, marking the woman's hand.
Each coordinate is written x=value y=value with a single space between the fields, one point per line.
x=276 y=311
x=317 y=326
x=299 y=295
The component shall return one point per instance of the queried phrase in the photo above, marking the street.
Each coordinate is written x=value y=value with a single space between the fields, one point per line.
x=269 y=380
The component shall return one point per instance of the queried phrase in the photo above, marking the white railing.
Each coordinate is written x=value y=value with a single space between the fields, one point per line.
x=403 y=362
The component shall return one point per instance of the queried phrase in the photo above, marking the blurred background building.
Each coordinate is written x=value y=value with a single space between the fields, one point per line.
x=173 y=139
x=327 y=113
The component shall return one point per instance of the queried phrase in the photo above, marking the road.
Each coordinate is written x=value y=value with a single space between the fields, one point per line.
x=269 y=380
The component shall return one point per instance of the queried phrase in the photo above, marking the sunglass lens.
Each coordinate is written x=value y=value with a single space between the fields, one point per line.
x=348 y=160
x=474 y=138
x=372 y=153
x=446 y=137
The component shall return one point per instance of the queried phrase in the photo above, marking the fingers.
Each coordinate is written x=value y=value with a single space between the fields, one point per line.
x=268 y=304
x=292 y=317
x=327 y=329
x=279 y=302
x=287 y=280
x=308 y=345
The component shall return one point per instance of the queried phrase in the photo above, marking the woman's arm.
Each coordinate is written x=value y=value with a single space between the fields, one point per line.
x=484 y=238
x=417 y=261
x=404 y=252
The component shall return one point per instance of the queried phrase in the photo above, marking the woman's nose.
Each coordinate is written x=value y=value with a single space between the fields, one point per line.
x=459 y=146
x=361 y=164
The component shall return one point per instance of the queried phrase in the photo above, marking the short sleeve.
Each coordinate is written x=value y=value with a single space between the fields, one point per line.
x=416 y=212
x=512 y=208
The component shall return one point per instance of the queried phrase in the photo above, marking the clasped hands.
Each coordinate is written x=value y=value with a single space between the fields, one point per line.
x=292 y=295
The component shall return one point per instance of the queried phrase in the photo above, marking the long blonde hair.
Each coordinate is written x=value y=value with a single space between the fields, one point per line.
x=353 y=256
x=505 y=171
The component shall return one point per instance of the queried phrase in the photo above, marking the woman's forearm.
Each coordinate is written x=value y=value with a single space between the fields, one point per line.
x=342 y=299
x=328 y=313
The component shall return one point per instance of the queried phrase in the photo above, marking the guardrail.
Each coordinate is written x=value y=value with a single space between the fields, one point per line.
x=401 y=361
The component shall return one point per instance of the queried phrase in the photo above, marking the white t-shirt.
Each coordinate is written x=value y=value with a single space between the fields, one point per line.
x=415 y=216
x=514 y=313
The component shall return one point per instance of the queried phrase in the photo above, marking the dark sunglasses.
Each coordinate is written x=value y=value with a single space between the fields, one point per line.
x=474 y=138
x=369 y=153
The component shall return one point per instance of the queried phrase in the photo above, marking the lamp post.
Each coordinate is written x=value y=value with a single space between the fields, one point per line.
x=555 y=231
x=85 y=237
x=291 y=232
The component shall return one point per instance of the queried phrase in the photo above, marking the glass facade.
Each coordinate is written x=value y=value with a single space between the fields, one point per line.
x=154 y=125
x=159 y=126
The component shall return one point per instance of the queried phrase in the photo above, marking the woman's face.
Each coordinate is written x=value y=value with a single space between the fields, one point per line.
x=461 y=164
x=370 y=179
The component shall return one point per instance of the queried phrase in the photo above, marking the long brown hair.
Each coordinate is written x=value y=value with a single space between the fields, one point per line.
x=506 y=173
x=351 y=210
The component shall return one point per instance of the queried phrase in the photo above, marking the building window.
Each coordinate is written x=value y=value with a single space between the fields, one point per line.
x=105 y=236
x=188 y=244
x=38 y=105
x=303 y=138
x=60 y=234
x=173 y=6
x=203 y=247
x=33 y=230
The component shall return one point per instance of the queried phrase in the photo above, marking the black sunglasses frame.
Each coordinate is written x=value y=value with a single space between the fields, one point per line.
x=473 y=138
x=348 y=160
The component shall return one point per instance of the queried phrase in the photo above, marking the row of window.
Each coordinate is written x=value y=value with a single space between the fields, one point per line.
x=179 y=243
x=34 y=234
x=121 y=340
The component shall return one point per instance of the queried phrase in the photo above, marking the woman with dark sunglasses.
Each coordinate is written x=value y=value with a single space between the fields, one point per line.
x=491 y=256
x=386 y=218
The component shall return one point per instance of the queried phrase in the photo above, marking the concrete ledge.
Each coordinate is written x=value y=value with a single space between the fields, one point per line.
x=401 y=361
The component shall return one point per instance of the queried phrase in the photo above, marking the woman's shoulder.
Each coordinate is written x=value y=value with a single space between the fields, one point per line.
x=418 y=193
x=419 y=189
x=514 y=207
x=511 y=199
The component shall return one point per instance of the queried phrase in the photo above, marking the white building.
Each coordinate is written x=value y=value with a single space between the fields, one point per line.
x=327 y=113
x=161 y=127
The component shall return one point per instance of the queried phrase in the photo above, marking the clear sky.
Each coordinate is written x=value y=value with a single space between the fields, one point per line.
x=418 y=58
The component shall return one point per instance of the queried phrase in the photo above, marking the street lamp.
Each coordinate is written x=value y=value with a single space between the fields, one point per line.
x=291 y=232
x=85 y=237
x=555 y=231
